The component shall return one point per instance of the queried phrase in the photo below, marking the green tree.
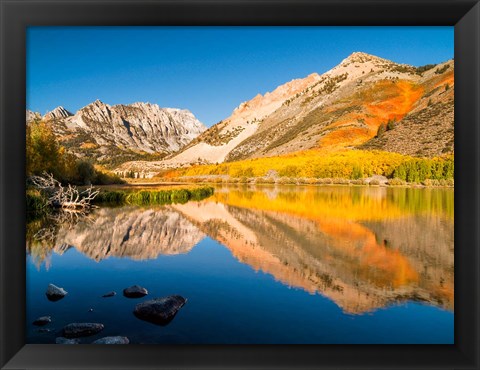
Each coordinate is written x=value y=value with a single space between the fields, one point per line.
x=400 y=172
x=437 y=170
x=85 y=173
x=391 y=124
x=381 y=129
x=289 y=171
x=412 y=172
x=424 y=170
x=448 y=169
x=357 y=172
x=248 y=172
x=43 y=152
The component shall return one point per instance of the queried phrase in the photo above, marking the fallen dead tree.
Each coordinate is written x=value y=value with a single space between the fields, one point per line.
x=65 y=197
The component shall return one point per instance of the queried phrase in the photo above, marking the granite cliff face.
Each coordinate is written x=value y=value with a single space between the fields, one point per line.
x=138 y=126
x=56 y=114
x=119 y=132
x=31 y=116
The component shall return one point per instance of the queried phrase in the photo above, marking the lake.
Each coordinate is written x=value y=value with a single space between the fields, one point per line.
x=265 y=264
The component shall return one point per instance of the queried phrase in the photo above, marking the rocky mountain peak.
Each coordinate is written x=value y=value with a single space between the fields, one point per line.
x=96 y=111
x=132 y=128
x=58 y=113
x=98 y=103
x=361 y=57
x=30 y=116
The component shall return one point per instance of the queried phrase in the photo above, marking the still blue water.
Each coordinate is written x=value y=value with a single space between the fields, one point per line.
x=230 y=298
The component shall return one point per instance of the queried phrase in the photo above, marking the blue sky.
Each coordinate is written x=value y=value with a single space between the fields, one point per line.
x=208 y=70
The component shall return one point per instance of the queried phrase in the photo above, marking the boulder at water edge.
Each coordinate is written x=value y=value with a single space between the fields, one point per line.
x=82 y=329
x=135 y=291
x=112 y=340
x=54 y=293
x=62 y=340
x=109 y=294
x=41 y=321
x=159 y=311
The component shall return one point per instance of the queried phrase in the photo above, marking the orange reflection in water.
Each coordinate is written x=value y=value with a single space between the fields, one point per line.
x=342 y=257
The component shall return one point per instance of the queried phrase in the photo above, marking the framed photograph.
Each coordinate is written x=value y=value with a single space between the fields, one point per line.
x=258 y=184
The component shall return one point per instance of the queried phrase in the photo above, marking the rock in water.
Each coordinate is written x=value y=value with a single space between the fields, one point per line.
x=159 y=311
x=44 y=320
x=112 y=340
x=135 y=291
x=81 y=329
x=62 y=340
x=54 y=293
x=45 y=330
x=109 y=294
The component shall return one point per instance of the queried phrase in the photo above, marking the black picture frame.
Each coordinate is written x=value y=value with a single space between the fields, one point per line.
x=17 y=15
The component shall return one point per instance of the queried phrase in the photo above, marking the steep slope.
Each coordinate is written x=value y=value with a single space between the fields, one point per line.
x=217 y=142
x=123 y=132
x=428 y=129
x=348 y=107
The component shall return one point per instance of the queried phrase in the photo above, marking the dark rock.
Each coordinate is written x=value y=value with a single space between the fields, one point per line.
x=81 y=329
x=41 y=321
x=159 y=311
x=62 y=340
x=109 y=294
x=45 y=330
x=54 y=293
x=135 y=292
x=112 y=340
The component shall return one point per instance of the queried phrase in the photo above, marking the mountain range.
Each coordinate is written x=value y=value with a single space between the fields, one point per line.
x=342 y=108
x=122 y=132
x=365 y=102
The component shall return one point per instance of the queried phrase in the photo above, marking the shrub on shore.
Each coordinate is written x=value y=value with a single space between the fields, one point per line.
x=396 y=182
x=287 y=181
x=442 y=182
x=265 y=180
x=340 y=181
x=358 y=182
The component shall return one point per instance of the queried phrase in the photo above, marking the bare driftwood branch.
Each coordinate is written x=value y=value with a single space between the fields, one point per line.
x=68 y=197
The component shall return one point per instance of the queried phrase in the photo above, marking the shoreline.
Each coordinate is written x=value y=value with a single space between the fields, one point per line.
x=188 y=183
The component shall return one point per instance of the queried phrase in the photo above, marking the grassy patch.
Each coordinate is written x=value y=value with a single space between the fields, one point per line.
x=36 y=205
x=152 y=196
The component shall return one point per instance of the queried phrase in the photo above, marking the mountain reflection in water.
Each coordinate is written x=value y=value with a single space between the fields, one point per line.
x=364 y=248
